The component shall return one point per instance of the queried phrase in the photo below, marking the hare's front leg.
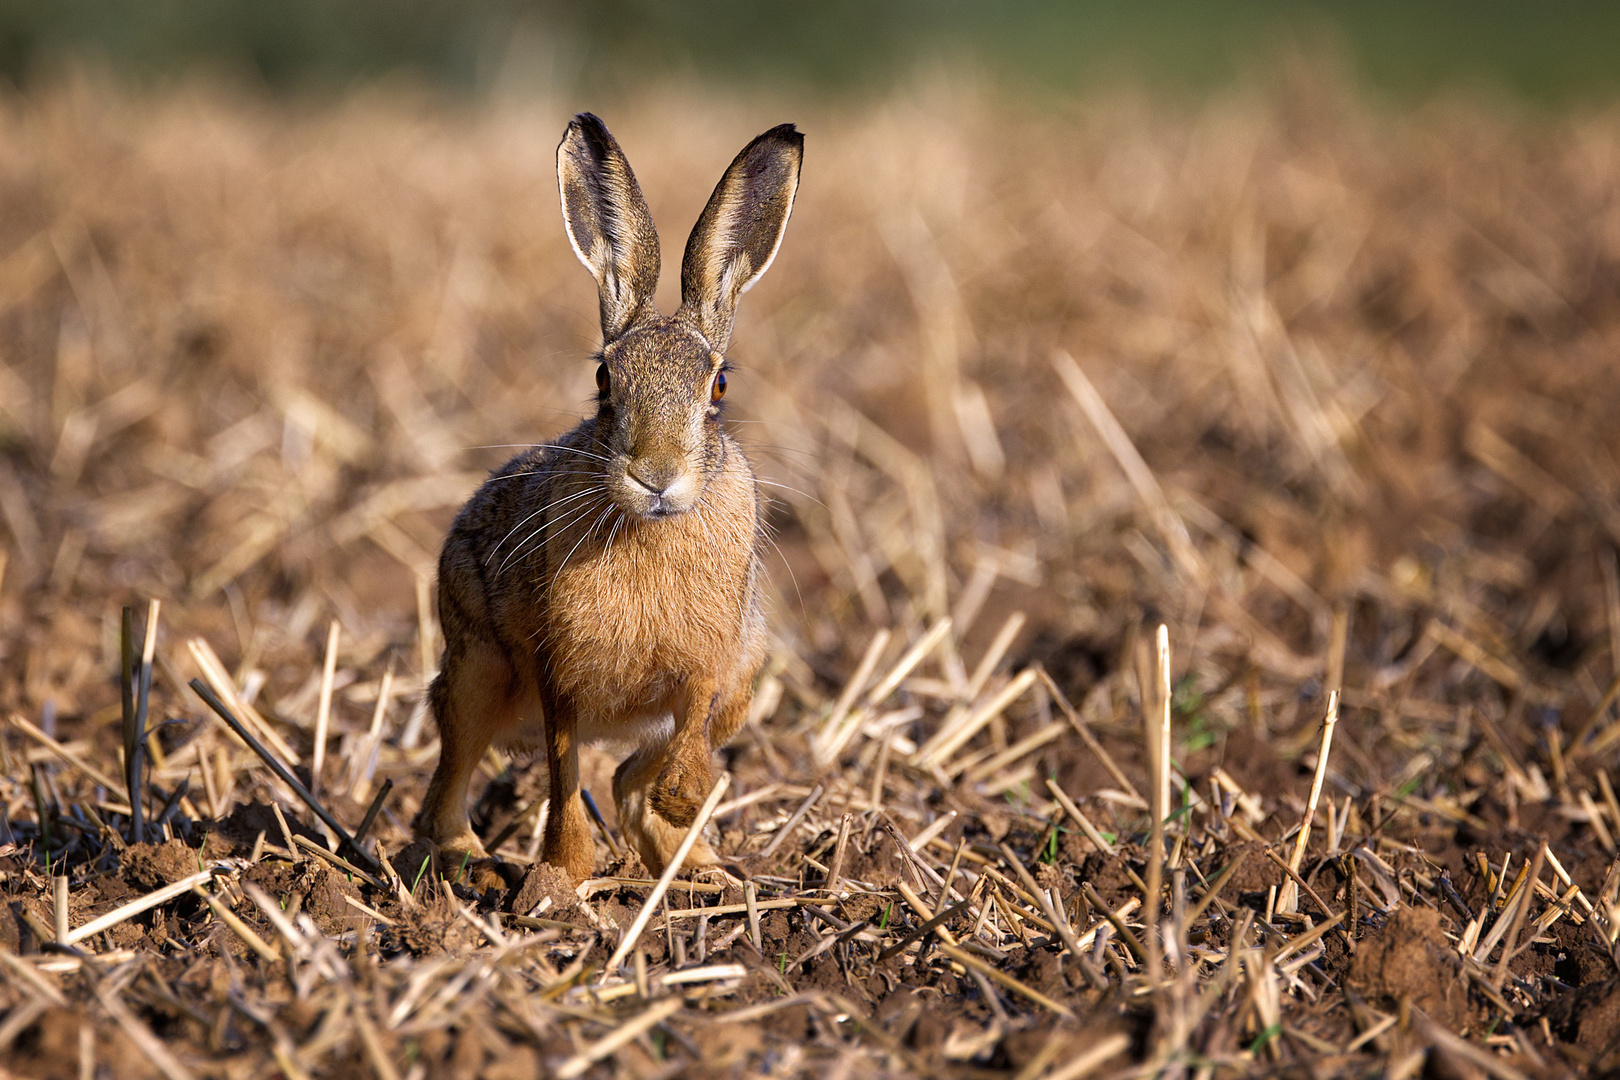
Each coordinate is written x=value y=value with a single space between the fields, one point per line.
x=568 y=832
x=660 y=788
x=653 y=838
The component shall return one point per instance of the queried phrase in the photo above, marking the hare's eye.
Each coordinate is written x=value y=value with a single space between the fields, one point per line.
x=602 y=379
x=717 y=390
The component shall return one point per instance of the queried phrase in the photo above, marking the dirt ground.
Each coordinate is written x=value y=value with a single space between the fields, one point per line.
x=1325 y=392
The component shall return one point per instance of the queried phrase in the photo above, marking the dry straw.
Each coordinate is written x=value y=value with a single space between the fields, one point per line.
x=257 y=355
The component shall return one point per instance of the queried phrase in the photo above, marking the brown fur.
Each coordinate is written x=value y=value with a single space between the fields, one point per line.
x=607 y=586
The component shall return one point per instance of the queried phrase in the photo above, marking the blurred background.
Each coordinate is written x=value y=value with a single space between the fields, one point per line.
x=1553 y=52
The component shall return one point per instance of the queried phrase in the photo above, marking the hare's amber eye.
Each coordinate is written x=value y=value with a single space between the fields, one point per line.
x=718 y=389
x=602 y=380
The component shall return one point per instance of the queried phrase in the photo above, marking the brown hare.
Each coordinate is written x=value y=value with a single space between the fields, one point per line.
x=606 y=587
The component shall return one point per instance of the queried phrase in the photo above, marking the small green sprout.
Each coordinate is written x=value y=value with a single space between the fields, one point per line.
x=1264 y=1037
x=1049 y=851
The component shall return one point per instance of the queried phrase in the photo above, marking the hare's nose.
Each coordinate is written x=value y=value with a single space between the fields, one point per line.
x=655 y=476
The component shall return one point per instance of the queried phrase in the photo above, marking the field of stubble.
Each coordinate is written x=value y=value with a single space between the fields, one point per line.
x=1327 y=393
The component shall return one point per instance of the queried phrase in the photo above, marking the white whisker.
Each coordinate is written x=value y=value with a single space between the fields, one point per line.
x=780 y=554
x=796 y=491
x=574 y=450
x=542 y=508
x=585 y=536
x=526 y=518
x=552 y=527
x=703 y=522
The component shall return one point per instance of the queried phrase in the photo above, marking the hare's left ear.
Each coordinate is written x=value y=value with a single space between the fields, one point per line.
x=737 y=235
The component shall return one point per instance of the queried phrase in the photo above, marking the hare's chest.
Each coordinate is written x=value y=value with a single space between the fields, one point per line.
x=640 y=616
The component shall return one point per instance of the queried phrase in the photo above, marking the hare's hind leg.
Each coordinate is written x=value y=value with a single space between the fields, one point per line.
x=476 y=700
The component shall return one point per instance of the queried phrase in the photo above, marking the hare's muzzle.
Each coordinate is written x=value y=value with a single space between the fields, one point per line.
x=657 y=486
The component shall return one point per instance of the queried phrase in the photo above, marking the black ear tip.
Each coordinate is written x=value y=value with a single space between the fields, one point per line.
x=781 y=137
x=587 y=128
x=788 y=133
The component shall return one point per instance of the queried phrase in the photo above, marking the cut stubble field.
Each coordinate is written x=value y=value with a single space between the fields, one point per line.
x=1195 y=607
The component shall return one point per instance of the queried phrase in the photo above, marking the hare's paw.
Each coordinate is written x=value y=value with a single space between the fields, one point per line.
x=678 y=793
x=576 y=859
x=658 y=841
x=455 y=848
x=483 y=874
x=675 y=806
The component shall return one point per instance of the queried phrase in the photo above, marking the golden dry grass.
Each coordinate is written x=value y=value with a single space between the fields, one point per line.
x=1327 y=393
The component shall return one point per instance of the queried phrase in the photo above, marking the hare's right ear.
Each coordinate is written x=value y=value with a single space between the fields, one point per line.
x=737 y=234
x=608 y=223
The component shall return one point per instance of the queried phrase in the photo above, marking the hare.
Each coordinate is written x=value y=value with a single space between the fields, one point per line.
x=607 y=587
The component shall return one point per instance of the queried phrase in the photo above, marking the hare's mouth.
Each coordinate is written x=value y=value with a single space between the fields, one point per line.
x=658 y=499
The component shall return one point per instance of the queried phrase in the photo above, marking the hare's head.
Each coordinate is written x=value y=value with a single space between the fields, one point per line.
x=661 y=379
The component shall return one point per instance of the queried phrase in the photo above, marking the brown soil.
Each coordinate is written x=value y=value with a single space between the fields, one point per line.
x=1411 y=963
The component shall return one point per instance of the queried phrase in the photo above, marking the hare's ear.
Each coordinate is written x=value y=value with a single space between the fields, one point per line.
x=738 y=233
x=608 y=223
